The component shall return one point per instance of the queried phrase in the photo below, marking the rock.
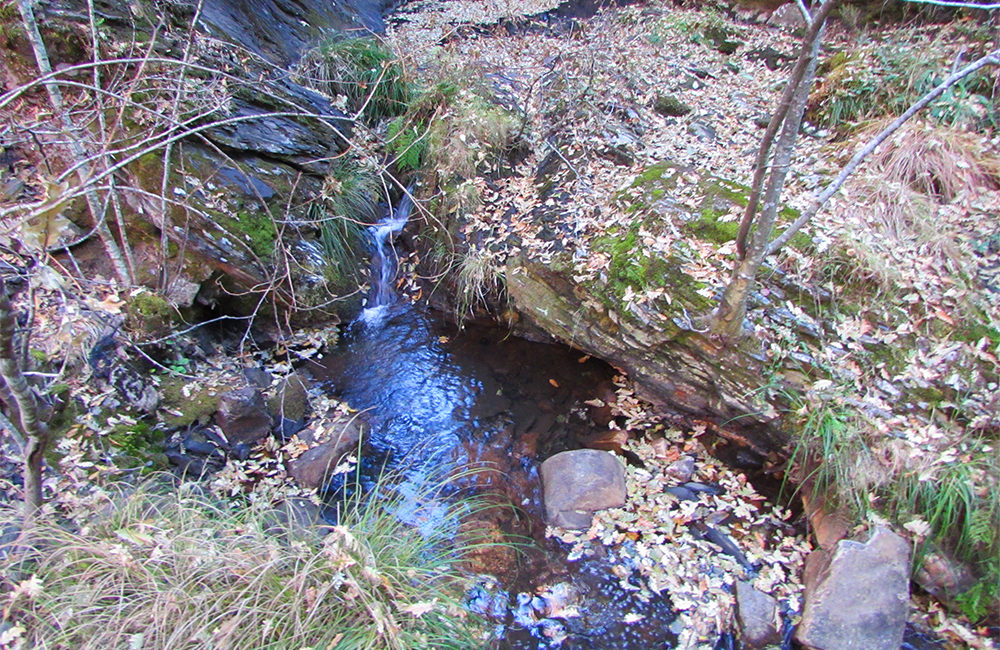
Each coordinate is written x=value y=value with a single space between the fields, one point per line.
x=787 y=16
x=671 y=360
x=757 y=616
x=682 y=469
x=311 y=470
x=296 y=519
x=670 y=106
x=257 y=377
x=290 y=400
x=943 y=576
x=859 y=597
x=242 y=417
x=280 y=29
x=702 y=131
x=578 y=483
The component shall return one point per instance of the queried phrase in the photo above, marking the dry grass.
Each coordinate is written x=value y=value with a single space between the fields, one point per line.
x=172 y=568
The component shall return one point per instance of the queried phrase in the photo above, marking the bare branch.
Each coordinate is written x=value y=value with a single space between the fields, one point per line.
x=957 y=4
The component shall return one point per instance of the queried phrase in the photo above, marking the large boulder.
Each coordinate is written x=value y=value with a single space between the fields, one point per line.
x=856 y=598
x=576 y=484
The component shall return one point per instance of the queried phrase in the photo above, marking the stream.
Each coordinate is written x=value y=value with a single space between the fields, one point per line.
x=488 y=408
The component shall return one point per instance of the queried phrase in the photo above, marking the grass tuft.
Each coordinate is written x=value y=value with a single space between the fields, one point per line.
x=168 y=567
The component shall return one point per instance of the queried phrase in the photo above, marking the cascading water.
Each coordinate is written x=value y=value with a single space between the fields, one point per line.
x=384 y=262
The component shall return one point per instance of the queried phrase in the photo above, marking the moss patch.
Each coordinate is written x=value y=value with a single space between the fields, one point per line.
x=181 y=410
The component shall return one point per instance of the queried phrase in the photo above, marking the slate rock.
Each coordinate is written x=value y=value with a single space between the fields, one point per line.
x=242 y=416
x=757 y=613
x=290 y=400
x=578 y=483
x=312 y=469
x=858 y=598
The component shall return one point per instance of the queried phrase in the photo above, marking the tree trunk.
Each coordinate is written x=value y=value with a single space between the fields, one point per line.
x=727 y=321
x=36 y=433
x=97 y=211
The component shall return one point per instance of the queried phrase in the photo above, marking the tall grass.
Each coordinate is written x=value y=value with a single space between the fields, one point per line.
x=957 y=495
x=173 y=568
x=363 y=70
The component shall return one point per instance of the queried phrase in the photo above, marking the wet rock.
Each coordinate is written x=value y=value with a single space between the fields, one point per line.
x=578 y=483
x=312 y=469
x=858 y=597
x=757 y=614
x=242 y=416
x=290 y=400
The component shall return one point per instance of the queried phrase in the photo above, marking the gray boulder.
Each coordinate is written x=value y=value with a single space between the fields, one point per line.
x=757 y=615
x=576 y=484
x=858 y=598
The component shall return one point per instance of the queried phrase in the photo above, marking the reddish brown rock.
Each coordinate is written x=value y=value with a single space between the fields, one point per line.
x=242 y=416
x=578 y=483
x=313 y=468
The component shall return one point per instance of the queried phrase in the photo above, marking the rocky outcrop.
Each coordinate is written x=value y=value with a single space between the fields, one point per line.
x=576 y=484
x=279 y=29
x=337 y=439
x=857 y=598
x=672 y=360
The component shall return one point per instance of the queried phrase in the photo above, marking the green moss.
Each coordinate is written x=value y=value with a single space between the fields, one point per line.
x=137 y=445
x=670 y=106
x=256 y=229
x=633 y=266
x=183 y=410
x=149 y=313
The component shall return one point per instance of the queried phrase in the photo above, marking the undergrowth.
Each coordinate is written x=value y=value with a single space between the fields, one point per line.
x=957 y=497
x=364 y=71
x=883 y=78
x=169 y=567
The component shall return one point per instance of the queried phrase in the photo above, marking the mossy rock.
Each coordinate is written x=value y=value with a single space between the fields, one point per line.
x=670 y=106
x=149 y=314
x=183 y=408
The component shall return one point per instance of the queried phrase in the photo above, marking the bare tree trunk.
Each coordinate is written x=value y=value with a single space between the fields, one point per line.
x=993 y=58
x=36 y=433
x=727 y=321
x=97 y=211
x=764 y=153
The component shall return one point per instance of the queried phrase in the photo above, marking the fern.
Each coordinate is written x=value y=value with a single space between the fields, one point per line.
x=407 y=144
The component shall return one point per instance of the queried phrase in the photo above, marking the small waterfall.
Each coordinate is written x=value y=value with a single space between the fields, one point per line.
x=383 y=264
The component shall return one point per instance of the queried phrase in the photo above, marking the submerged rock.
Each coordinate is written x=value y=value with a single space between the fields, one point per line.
x=578 y=483
x=858 y=597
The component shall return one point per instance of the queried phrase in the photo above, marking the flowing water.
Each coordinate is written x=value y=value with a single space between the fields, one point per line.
x=493 y=407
